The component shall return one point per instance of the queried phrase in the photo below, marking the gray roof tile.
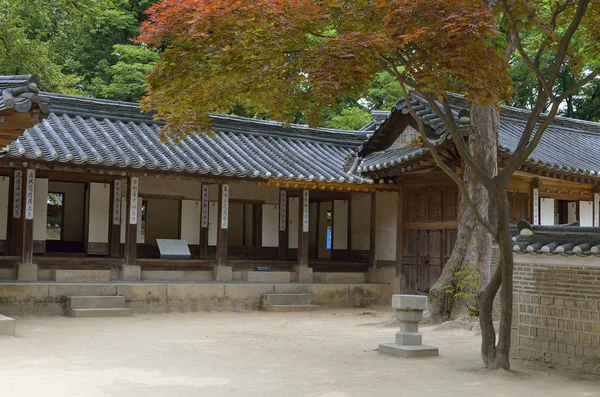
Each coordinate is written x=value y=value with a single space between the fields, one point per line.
x=116 y=134
x=561 y=147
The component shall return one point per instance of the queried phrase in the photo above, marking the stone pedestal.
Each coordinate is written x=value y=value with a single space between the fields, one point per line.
x=222 y=273
x=131 y=273
x=303 y=274
x=27 y=272
x=409 y=341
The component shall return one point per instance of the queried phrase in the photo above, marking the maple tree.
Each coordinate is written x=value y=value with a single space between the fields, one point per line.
x=282 y=57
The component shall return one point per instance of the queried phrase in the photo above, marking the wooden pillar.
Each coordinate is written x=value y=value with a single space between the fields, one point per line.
x=132 y=220
x=373 y=231
x=204 y=222
x=222 y=237
x=114 y=249
x=283 y=225
x=303 y=227
x=349 y=235
x=28 y=214
x=16 y=220
x=535 y=201
x=400 y=233
x=596 y=207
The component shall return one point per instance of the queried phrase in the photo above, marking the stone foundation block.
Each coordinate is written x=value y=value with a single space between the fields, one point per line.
x=303 y=274
x=7 y=325
x=81 y=275
x=163 y=275
x=222 y=273
x=131 y=273
x=268 y=277
x=27 y=272
x=408 y=351
x=198 y=275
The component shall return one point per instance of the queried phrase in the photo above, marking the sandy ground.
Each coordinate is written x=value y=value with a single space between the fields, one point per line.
x=322 y=354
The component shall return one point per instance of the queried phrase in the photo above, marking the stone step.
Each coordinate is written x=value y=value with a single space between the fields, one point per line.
x=96 y=302
x=290 y=308
x=105 y=312
x=286 y=299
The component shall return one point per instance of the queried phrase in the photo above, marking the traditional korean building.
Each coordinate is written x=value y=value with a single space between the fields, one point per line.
x=556 y=185
x=94 y=186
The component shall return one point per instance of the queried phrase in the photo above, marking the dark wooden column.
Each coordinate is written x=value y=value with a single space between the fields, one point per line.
x=204 y=222
x=283 y=225
x=303 y=225
x=349 y=236
x=132 y=220
x=400 y=233
x=596 y=197
x=28 y=214
x=16 y=219
x=114 y=249
x=373 y=231
x=222 y=237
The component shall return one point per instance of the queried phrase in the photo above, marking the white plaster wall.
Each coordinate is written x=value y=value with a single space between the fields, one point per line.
x=191 y=190
x=191 y=211
x=361 y=220
x=213 y=219
x=546 y=211
x=40 y=211
x=387 y=206
x=98 y=212
x=293 y=208
x=270 y=225
x=340 y=224
x=73 y=211
x=247 y=191
x=4 y=186
x=586 y=213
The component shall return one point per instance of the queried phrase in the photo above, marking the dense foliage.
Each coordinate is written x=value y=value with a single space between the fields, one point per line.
x=85 y=48
x=77 y=46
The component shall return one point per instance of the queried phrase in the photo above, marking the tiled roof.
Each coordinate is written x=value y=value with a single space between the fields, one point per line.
x=568 y=239
x=117 y=134
x=560 y=147
x=19 y=93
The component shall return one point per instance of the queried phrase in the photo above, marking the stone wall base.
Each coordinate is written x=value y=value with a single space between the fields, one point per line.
x=144 y=297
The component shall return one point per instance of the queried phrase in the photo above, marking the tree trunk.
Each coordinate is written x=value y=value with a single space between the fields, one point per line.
x=474 y=243
x=499 y=356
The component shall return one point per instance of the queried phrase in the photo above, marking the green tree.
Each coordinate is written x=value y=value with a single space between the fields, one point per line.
x=124 y=80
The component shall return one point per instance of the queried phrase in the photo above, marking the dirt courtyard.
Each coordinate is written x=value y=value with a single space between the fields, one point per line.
x=321 y=354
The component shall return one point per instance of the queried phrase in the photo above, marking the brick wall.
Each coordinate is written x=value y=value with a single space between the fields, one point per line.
x=557 y=308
